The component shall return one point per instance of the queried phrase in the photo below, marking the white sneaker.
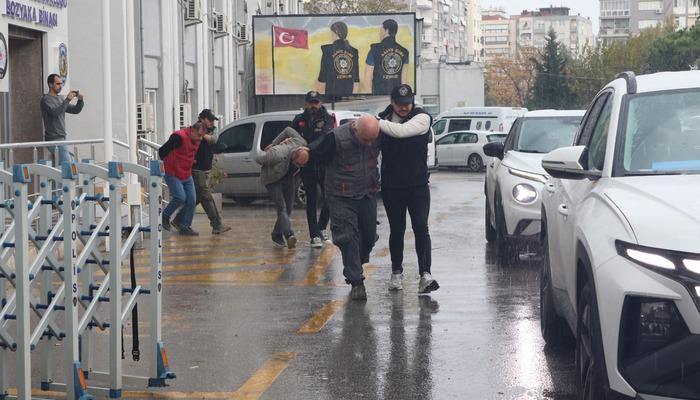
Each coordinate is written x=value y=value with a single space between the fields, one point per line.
x=325 y=236
x=316 y=243
x=427 y=284
x=396 y=281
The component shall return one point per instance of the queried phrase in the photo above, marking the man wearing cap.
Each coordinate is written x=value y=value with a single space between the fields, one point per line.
x=178 y=157
x=405 y=183
x=201 y=174
x=313 y=124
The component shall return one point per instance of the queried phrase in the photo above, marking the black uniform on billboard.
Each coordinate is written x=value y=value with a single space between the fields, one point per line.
x=388 y=59
x=339 y=69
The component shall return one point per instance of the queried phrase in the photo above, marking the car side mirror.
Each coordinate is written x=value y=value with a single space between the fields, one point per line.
x=494 y=149
x=568 y=163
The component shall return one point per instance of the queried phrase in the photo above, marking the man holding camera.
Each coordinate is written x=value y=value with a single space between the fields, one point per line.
x=53 y=111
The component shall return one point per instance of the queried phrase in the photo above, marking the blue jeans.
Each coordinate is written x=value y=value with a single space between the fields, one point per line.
x=181 y=192
x=63 y=155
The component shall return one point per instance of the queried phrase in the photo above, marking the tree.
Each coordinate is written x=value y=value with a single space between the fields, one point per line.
x=551 y=87
x=677 y=51
x=509 y=82
x=353 y=6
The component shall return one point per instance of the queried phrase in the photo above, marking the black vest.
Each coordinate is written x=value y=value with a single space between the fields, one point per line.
x=353 y=172
x=389 y=58
x=404 y=161
x=339 y=68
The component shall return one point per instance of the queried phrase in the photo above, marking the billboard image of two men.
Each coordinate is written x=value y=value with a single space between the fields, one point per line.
x=336 y=55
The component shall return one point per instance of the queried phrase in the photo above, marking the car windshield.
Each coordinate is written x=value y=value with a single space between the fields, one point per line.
x=497 y=138
x=544 y=134
x=661 y=134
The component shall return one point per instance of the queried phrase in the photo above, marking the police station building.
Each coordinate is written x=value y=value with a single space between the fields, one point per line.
x=145 y=67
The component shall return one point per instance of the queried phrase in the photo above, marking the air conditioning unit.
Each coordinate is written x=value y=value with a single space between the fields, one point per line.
x=184 y=114
x=145 y=118
x=220 y=23
x=242 y=33
x=193 y=12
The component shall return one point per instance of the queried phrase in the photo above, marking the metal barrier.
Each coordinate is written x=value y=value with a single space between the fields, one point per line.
x=76 y=267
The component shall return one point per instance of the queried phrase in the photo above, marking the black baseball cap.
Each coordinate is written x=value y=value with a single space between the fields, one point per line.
x=402 y=94
x=313 y=96
x=208 y=114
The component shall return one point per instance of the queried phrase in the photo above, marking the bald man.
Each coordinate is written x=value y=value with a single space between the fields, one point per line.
x=350 y=154
x=280 y=162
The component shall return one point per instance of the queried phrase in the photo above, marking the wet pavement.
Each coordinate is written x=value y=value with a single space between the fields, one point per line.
x=243 y=320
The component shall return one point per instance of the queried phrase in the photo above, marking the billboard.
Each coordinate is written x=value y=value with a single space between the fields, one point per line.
x=337 y=55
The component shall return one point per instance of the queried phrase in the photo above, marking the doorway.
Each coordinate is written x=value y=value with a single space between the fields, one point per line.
x=26 y=75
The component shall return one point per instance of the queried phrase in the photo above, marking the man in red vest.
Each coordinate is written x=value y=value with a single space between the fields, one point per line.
x=178 y=155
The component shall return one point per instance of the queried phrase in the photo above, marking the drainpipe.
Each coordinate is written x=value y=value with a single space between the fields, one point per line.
x=130 y=56
x=107 y=82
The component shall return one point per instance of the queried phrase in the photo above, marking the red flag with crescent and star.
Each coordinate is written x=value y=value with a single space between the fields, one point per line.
x=286 y=37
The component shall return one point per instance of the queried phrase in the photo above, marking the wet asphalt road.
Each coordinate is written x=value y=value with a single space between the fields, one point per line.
x=243 y=320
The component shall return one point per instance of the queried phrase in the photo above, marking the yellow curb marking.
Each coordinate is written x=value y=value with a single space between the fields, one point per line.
x=254 y=387
x=219 y=265
x=238 y=276
x=313 y=277
x=319 y=320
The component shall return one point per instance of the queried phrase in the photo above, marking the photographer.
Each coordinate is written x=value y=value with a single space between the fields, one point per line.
x=53 y=111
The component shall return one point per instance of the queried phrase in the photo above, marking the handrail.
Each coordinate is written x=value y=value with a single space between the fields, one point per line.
x=29 y=145
x=122 y=144
x=149 y=143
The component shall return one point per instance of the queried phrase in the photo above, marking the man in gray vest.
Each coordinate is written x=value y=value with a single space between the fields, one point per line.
x=280 y=162
x=352 y=180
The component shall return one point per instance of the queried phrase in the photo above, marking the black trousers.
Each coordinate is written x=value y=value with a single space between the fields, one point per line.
x=312 y=177
x=416 y=201
x=354 y=227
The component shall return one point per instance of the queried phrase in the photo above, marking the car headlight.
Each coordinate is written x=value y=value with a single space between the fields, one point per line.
x=524 y=193
x=531 y=176
x=679 y=266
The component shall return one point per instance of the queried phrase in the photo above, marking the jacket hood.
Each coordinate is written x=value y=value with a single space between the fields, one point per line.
x=663 y=211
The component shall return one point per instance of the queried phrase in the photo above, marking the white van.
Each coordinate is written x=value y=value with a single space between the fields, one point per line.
x=240 y=141
x=495 y=119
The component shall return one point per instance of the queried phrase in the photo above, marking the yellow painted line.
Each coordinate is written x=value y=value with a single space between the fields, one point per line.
x=319 y=320
x=256 y=386
x=381 y=253
x=138 y=394
x=271 y=275
x=219 y=265
x=313 y=277
x=216 y=255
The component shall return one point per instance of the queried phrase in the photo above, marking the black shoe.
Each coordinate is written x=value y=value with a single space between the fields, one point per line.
x=188 y=232
x=358 y=292
x=278 y=241
x=220 y=229
x=166 y=224
x=177 y=225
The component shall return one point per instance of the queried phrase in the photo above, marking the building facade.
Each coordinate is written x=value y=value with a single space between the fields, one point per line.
x=573 y=31
x=499 y=33
x=619 y=19
x=451 y=29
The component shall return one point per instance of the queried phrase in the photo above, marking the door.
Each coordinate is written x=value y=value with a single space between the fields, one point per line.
x=444 y=148
x=235 y=145
x=270 y=130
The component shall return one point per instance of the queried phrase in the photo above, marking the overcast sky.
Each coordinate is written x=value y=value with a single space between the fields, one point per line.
x=587 y=8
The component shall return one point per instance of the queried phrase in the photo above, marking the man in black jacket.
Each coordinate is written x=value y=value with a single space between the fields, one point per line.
x=201 y=174
x=313 y=124
x=405 y=183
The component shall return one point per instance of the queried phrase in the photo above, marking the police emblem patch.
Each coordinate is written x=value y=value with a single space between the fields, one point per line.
x=343 y=63
x=392 y=61
x=403 y=91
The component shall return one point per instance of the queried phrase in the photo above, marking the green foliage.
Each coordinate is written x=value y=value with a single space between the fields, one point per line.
x=677 y=51
x=551 y=88
x=353 y=6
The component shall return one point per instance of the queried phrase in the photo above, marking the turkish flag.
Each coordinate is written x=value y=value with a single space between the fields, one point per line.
x=286 y=37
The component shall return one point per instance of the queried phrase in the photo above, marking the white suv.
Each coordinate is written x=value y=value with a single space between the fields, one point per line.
x=514 y=176
x=621 y=219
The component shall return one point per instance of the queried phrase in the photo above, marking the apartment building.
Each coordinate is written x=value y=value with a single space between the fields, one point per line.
x=621 y=18
x=451 y=29
x=499 y=34
x=573 y=31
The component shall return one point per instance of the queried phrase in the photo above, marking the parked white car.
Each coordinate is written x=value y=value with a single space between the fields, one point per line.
x=514 y=176
x=495 y=119
x=622 y=241
x=464 y=149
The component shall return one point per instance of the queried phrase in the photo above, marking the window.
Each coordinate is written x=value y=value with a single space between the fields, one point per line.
x=650 y=5
x=270 y=131
x=597 y=145
x=439 y=126
x=648 y=23
x=487 y=126
x=459 y=125
x=478 y=125
x=496 y=138
x=449 y=139
x=469 y=138
x=238 y=139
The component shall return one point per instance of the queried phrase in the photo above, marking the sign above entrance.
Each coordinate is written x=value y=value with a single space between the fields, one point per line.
x=3 y=56
x=29 y=13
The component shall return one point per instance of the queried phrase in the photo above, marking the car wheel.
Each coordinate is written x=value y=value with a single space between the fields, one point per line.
x=555 y=331
x=475 y=163
x=590 y=362
x=489 y=232
x=506 y=250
